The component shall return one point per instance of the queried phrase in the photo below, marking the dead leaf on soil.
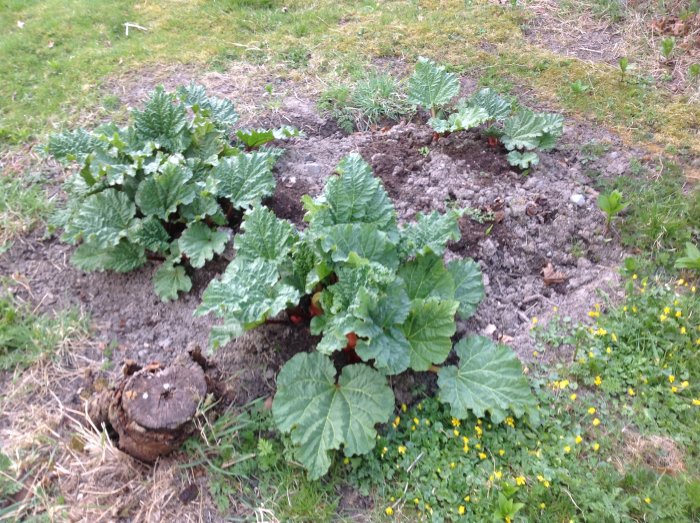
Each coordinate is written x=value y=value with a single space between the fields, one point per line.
x=552 y=277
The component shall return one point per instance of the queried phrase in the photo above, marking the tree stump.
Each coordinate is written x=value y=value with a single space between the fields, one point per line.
x=151 y=410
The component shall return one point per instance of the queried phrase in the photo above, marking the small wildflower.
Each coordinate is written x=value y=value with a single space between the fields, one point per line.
x=597 y=381
x=624 y=309
x=596 y=422
x=545 y=483
x=634 y=308
x=573 y=397
x=403 y=407
x=482 y=455
x=535 y=353
x=663 y=317
x=567 y=449
x=667 y=310
x=683 y=330
x=384 y=451
x=630 y=391
x=346 y=461
x=501 y=452
x=684 y=384
x=591 y=410
x=681 y=281
x=696 y=402
x=465 y=439
x=416 y=501
x=467 y=499
x=416 y=421
x=563 y=384
x=456 y=422
x=402 y=449
x=674 y=389
x=396 y=422
x=608 y=350
x=634 y=276
x=420 y=406
x=578 y=440
x=596 y=446
x=461 y=510
x=510 y=421
x=647 y=500
x=542 y=506
x=520 y=481
x=613 y=337
x=389 y=511
x=679 y=314
x=534 y=320
x=498 y=474
x=671 y=378
x=453 y=465
x=455 y=432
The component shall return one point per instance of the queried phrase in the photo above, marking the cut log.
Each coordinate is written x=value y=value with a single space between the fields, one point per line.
x=152 y=408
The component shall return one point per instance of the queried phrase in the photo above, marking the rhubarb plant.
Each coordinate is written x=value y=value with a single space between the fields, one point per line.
x=374 y=290
x=166 y=187
x=521 y=131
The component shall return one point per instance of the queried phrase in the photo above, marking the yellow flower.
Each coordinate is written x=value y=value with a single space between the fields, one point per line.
x=465 y=439
x=634 y=308
x=634 y=276
x=467 y=498
x=420 y=406
x=593 y=314
x=663 y=317
x=696 y=402
x=671 y=378
x=601 y=331
x=591 y=410
x=578 y=440
x=542 y=506
x=596 y=446
x=402 y=449
x=396 y=422
x=631 y=392
x=597 y=381
x=498 y=474
x=681 y=281
x=510 y=421
x=613 y=337
x=461 y=510
x=501 y=452
x=403 y=407
x=456 y=422
x=453 y=465
x=674 y=389
x=563 y=384
x=465 y=448
x=679 y=314
x=534 y=320
x=535 y=353
x=482 y=455
x=567 y=449
x=416 y=501
x=573 y=397
x=608 y=350
x=683 y=330
x=455 y=432
x=545 y=483
x=520 y=481
x=596 y=422
x=667 y=310
x=624 y=309
x=346 y=461
x=384 y=450
x=647 y=500
x=684 y=384
x=479 y=431
x=389 y=511
x=416 y=421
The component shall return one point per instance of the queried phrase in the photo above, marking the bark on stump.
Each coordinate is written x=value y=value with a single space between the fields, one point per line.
x=152 y=408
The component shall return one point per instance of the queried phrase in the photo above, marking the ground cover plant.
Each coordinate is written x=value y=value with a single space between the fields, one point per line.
x=162 y=187
x=378 y=291
x=521 y=131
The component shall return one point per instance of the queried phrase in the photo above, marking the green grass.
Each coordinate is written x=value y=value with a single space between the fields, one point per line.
x=23 y=205
x=26 y=336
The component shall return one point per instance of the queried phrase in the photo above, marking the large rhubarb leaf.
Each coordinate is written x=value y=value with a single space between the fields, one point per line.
x=428 y=329
x=103 y=219
x=123 y=257
x=430 y=233
x=553 y=129
x=72 y=145
x=489 y=377
x=163 y=121
x=220 y=110
x=523 y=160
x=150 y=233
x=200 y=243
x=321 y=415
x=523 y=130
x=244 y=179
x=169 y=280
x=425 y=277
x=431 y=86
x=495 y=106
x=355 y=196
x=161 y=194
x=469 y=285
x=464 y=119
x=382 y=339
x=253 y=138
x=249 y=292
x=265 y=236
x=359 y=243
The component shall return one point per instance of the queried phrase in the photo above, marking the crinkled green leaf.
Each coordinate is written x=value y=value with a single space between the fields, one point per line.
x=489 y=377
x=427 y=277
x=301 y=272
x=553 y=129
x=199 y=243
x=355 y=196
x=359 y=243
x=249 y=292
x=244 y=179
x=123 y=257
x=150 y=233
x=265 y=236
x=469 y=286
x=201 y=207
x=430 y=233
x=431 y=86
x=381 y=337
x=428 y=329
x=220 y=110
x=163 y=121
x=495 y=106
x=523 y=160
x=109 y=168
x=464 y=119
x=253 y=138
x=170 y=279
x=161 y=194
x=103 y=219
x=523 y=130
x=72 y=145
x=321 y=415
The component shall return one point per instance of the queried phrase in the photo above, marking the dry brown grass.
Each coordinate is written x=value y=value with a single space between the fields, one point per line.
x=660 y=453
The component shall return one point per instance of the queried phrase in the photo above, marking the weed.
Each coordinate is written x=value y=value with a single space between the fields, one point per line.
x=611 y=204
x=691 y=260
x=623 y=63
x=23 y=205
x=579 y=87
x=667 y=46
